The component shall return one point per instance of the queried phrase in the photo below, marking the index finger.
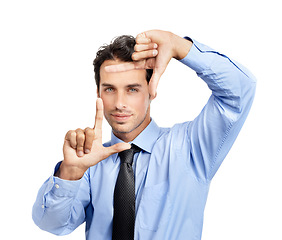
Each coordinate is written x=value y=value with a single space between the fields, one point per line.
x=123 y=67
x=120 y=67
x=99 y=118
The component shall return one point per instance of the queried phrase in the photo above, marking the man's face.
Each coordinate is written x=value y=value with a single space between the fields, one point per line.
x=126 y=101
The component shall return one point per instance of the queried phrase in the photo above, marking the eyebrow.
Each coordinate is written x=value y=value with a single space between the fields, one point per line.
x=134 y=85
x=107 y=85
x=129 y=85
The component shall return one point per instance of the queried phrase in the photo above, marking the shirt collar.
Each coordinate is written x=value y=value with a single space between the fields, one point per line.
x=145 y=140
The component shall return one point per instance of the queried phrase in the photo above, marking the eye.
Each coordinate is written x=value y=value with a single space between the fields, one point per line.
x=132 y=90
x=109 y=89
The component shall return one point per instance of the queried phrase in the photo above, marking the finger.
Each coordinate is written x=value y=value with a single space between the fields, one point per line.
x=67 y=144
x=137 y=56
x=71 y=138
x=89 y=137
x=98 y=119
x=142 y=38
x=120 y=67
x=80 y=139
x=150 y=63
x=153 y=84
x=116 y=148
x=143 y=47
x=142 y=64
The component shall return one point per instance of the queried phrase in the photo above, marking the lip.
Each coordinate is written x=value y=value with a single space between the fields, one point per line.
x=121 y=117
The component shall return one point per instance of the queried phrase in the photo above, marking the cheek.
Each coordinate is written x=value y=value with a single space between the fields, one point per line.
x=106 y=102
x=140 y=104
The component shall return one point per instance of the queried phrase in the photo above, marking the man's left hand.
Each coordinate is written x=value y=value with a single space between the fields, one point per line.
x=153 y=50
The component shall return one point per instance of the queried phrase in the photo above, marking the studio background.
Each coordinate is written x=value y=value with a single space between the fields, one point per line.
x=47 y=88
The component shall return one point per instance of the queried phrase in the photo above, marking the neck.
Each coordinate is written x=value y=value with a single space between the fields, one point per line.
x=126 y=137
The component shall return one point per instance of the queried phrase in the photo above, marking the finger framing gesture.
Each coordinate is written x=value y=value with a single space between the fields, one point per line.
x=83 y=148
x=153 y=50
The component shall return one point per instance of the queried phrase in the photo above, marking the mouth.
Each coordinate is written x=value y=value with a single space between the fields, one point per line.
x=121 y=117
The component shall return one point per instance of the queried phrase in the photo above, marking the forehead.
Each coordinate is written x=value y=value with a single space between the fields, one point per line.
x=121 y=78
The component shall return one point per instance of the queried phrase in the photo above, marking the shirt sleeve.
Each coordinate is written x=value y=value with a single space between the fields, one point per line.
x=214 y=131
x=60 y=204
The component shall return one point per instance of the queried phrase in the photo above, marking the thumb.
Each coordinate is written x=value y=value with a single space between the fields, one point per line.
x=116 y=148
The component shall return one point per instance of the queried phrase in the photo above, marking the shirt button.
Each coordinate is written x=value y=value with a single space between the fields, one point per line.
x=43 y=206
x=57 y=186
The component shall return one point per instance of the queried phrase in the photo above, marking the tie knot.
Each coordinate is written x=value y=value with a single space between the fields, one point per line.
x=127 y=155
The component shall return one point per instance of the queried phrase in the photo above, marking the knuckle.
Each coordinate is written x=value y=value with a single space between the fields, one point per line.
x=72 y=134
x=139 y=37
x=88 y=131
x=134 y=57
x=90 y=134
x=136 y=47
x=69 y=133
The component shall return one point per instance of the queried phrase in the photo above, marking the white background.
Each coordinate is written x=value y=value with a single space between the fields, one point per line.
x=47 y=88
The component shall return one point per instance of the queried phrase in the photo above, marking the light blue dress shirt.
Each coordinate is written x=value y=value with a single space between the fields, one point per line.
x=173 y=171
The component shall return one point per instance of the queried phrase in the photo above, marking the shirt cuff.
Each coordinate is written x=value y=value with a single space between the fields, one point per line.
x=62 y=188
x=199 y=58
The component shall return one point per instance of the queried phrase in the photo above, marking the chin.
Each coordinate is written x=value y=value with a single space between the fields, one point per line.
x=122 y=129
x=126 y=127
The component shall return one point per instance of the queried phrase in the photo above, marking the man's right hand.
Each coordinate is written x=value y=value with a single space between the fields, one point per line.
x=83 y=148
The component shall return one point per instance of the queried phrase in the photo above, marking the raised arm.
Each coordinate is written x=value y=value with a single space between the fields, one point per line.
x=213 y=132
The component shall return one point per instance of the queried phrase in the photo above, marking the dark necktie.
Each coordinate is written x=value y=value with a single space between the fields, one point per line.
x=124 y=197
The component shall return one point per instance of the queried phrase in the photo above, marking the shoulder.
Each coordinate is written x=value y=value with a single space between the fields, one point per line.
x=177 y=132
x=177 y=128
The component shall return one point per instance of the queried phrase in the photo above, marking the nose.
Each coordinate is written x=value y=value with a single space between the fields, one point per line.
x=120 y=100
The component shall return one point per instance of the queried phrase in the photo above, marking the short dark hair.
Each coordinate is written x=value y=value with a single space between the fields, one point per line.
x=121 y=48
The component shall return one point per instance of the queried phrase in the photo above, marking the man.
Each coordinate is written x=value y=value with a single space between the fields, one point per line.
x=173 y=168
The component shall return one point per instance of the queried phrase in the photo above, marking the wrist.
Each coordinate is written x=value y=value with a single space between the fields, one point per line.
x=181 y=47
x=71 y=173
